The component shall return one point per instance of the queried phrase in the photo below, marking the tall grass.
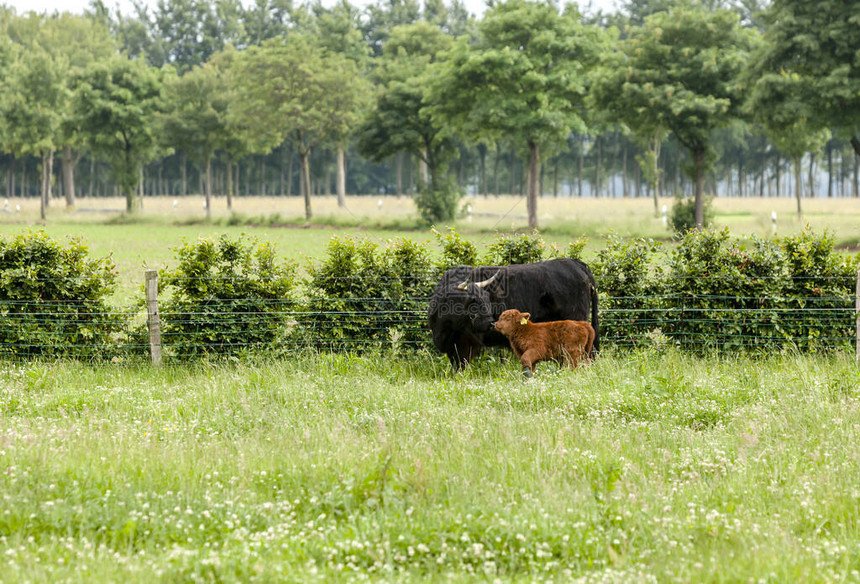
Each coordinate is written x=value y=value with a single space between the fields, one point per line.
x=641 y=467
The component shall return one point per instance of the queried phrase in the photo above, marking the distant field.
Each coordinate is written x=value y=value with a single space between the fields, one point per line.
x=149 y=240
x=644 y=467
x=568 y=216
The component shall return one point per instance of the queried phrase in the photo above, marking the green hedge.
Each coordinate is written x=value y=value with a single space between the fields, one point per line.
x=53 y=299
x=233 y=297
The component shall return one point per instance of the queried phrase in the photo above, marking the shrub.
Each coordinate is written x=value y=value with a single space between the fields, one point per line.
x=726 y=295
x=225 y=297
x=631 y=289
x=359 y=296
x=517 y=248
x=819 y=279
x=683 y=214
x=53 y=299
x=575 y=248
x=439 y=203
x=456 y=251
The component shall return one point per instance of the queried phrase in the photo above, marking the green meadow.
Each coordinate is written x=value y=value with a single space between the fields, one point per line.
x=645 y=466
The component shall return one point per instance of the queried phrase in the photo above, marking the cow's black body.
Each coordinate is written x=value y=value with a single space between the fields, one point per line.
x=461 y=320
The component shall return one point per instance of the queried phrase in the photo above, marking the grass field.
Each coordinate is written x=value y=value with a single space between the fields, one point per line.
x=644 y=467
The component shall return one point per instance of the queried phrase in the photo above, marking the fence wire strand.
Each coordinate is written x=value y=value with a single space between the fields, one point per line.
x=70 y=328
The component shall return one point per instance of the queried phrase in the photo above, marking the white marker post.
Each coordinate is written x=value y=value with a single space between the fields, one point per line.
x=665 y=219
x=773 y=222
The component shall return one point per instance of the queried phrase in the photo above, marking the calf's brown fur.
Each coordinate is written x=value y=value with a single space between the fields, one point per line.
x=567 y=340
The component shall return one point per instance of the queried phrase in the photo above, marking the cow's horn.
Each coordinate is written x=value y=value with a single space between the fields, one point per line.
x=488 y=281
x=463 y=285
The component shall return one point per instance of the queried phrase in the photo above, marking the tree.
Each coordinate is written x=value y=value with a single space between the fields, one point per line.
x=525 y=76
x=233 y=141
x=386 y=15
x=338 y=32
x=776 y=102
x=194 y=118
x=400 y=120
x=76 y=41
x=680 y=71
x=30 y=103
x=292 y=88
x=623 y=102
x=115 y=105
x=815 y=42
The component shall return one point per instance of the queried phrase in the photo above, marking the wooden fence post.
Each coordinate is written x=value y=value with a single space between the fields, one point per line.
x=152 y=318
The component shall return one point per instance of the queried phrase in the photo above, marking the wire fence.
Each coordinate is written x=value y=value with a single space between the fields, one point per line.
x=237 y=326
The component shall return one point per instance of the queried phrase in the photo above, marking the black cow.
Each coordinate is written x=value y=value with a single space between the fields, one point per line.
x=468 y=300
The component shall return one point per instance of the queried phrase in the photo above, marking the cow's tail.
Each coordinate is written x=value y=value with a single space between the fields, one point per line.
x=594 y=322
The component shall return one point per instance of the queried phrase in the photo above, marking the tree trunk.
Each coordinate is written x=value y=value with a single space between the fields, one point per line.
x=46 y=184
x=423 y=174
x=68 y=166
x=262 y=176
x=637 y=181
x=208 y=186
x=555 y=178
x=625 y=188
x=183 y=169
x=398 y=172
x=699 y=157
x=581 y=166
x=829 y=170
x=597 y=163
x=741 y=176
x=290 y=173
x=482 y=151
x=513 y=173
x=281 y=169
x=778 y=172
x=812 y=175
x=798 y=186
x=855 y=185
x=304 y=163
x=855 y=143
x=229 y=183
x=341 y=177
x=534 y=175
x=496 y=170
x=10 y=178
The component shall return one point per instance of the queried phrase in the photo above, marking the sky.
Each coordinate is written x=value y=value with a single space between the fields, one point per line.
x=78 y=6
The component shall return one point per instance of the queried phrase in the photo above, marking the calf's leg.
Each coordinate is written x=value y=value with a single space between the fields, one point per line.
x=529 y=359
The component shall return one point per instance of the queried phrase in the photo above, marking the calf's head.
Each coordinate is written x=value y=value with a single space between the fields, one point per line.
x=510 y=320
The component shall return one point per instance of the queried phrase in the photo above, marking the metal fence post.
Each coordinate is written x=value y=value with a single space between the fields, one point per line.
x=152 y=318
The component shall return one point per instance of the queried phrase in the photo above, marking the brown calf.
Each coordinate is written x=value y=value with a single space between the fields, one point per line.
x=568 y=340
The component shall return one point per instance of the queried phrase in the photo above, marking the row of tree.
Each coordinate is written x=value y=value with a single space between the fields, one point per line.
x=716 y=86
